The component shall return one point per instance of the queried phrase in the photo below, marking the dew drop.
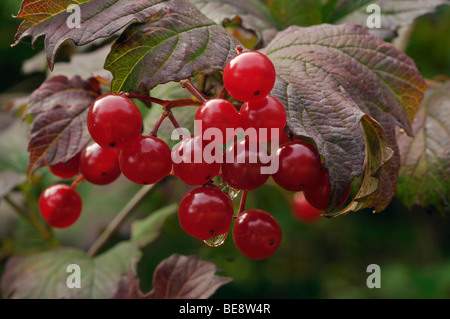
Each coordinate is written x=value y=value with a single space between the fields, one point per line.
x=216 y=241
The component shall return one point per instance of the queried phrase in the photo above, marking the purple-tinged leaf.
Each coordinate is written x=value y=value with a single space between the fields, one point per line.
x=329 y=77
x=59 y=108
x=177 y=42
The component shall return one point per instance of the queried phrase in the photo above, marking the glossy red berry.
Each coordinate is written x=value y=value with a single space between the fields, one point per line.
x=67 y=169
x=249 y=76
x=99 y=165
x=319 y=195
x=299 y=166
x=60 y=205
x=114 y=120
x=205 y=212
x=256 y=234
x=194 y=164
x=304 y=211
x=146 y=160
x=264 y=116
x=242 y=165
x=218 y=114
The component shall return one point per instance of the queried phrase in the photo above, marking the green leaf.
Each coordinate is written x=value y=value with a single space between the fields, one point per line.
x=178 y=42
x=44 y=275
x=329 y=78
x=147 y=230
x=425 y=158
x=394 y=13
x=295 y=12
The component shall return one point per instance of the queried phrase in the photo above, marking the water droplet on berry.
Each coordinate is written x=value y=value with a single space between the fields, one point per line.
x=216 y=241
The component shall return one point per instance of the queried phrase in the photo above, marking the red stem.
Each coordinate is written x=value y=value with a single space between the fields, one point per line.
x=242 y=203
x=154 y=132
x=77 y=181
x=145 y=98
x=193 y=90
x=167 y=104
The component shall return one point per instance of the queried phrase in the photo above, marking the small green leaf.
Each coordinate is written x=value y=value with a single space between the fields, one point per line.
x=147 y=230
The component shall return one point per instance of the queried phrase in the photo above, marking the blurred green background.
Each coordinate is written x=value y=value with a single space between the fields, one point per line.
x=327 y=259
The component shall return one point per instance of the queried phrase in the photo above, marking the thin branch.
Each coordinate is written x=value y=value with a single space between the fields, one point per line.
x=45 y=233
x=154 y=132
x=166 y=104
x=77 y=181
x=223 y=93
x=181 y=102
x=119 y=219
x=19 y=210
x=193 y=90
x=145 y=98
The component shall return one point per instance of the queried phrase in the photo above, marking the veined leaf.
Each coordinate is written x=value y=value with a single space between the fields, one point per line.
x=178 y=42
x=59 y=108
x=97 y=19
x=44 y=275
x=329 y=77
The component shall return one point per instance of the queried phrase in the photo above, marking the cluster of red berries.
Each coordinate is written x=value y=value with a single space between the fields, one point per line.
x=119 y=147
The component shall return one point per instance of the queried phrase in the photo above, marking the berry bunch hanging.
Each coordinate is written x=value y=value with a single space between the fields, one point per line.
x=242 y=164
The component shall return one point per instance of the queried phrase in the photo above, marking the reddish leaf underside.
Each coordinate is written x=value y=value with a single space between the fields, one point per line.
x=329 y=77
x=59 y=108
x=177 y=277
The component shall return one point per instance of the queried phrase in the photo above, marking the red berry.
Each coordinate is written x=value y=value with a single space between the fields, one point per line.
x=263 y=116
x=249 y=76
x=242 y=164
x=303 y=210
x=60 y=205
x=299 y=166
x=205 y=212
x=256 y=234
x=217 y=114
x=146 y=160
x=319 y=195
x=190 y=164
x=67 y=169
x=114 y=120
x=99 y=165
